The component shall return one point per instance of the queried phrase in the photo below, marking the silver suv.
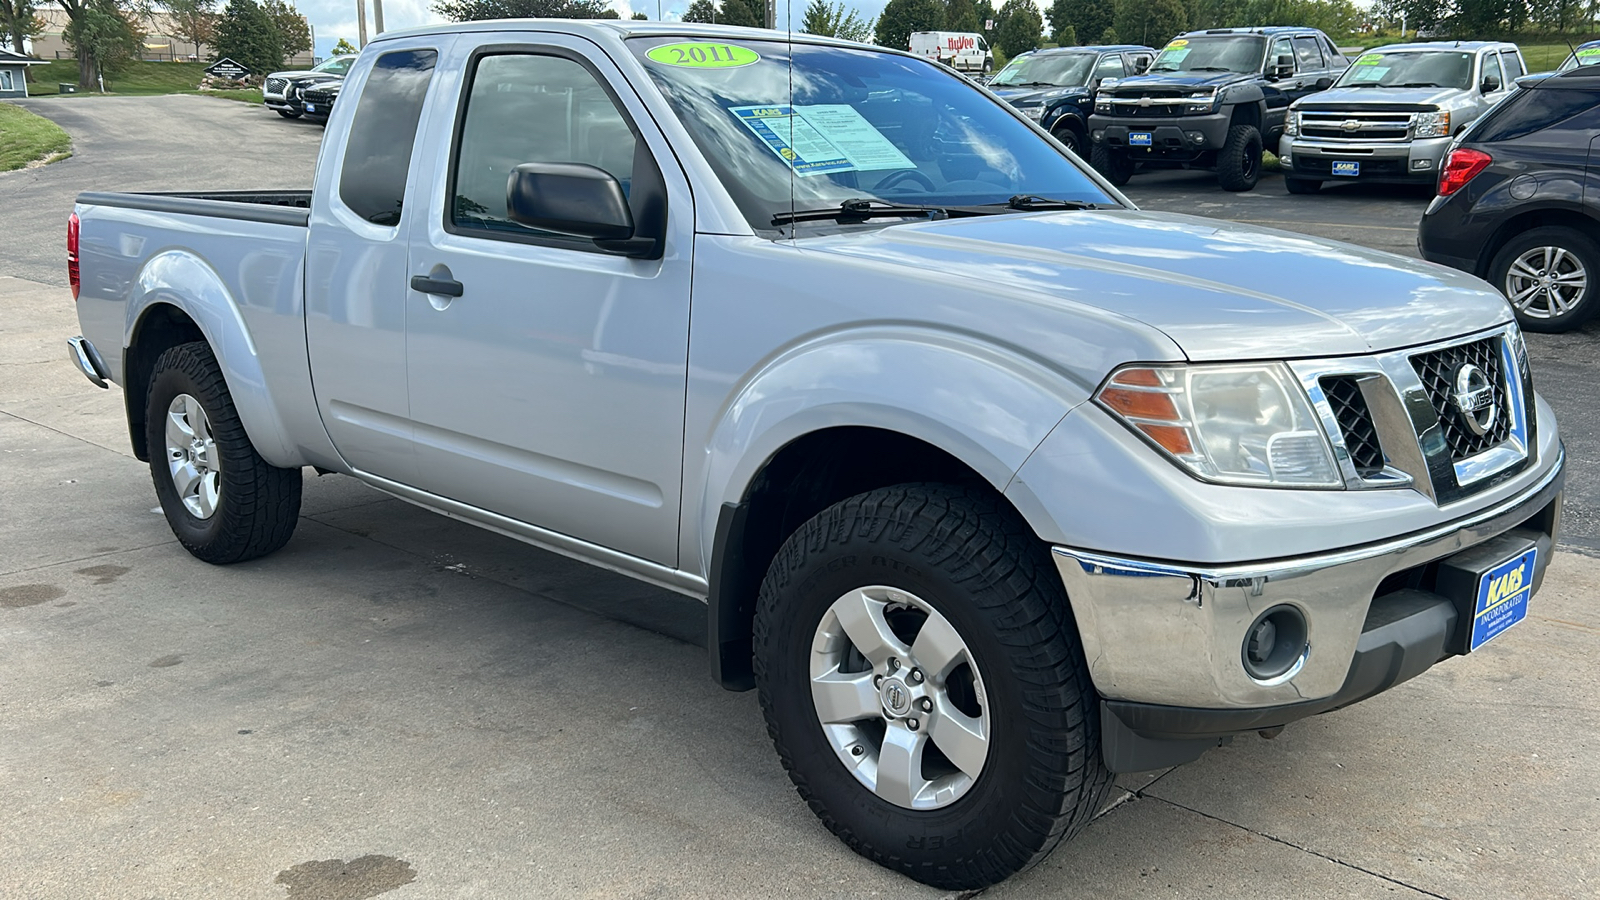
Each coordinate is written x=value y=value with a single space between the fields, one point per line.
x=1391 y=115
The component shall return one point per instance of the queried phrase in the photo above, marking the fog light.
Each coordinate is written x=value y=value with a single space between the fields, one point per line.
x=1422 y=164
x=1100 y=135
x=1275 y=644
x=1196 y=137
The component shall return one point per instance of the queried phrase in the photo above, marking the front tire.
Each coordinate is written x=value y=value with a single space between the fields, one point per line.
x=923 y=684
x=1116 y=167
x=1072 y=137
x=1239 y=163
x=1549 y=274
x=287 y=114
x=225 y=503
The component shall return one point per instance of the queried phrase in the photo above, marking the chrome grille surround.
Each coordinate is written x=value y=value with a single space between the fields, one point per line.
x=1331 y=125
x=1413 y=431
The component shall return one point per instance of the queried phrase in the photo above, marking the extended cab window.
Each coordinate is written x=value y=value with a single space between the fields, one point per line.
x=1513 y=65
x=1110 y=67
x=524 y=108
x=377 y=154
x=1307 y=53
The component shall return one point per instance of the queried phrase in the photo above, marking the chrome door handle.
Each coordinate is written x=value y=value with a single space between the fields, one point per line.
x=447 y=287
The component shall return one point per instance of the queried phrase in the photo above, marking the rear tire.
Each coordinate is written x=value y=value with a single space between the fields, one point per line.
x=1566 y=300
x=1071 y=136
x=1116 y=166
x=1239 y=163
x=1301 y=185
x=223 y=501
x=955 y=587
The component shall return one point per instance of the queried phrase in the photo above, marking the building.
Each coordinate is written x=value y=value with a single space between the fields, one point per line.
x=14 y=73
x=160 y=43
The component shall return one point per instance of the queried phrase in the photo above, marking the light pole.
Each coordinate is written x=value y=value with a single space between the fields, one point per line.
x=361 y=22
x=377 y=15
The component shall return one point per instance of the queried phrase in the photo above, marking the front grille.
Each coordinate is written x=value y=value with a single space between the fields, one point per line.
x=1394 y=127
x=1438 y=369
x=320 y=97
x=276 y=85
x=1355 y=423
x=1162 y=103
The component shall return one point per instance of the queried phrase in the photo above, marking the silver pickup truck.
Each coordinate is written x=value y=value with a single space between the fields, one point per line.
x=1391 y=116
x=993 y=484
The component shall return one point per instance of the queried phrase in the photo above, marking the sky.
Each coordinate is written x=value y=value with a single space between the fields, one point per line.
x=335 y=19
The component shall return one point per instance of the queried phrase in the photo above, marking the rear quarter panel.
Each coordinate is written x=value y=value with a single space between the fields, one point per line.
x=240 y=282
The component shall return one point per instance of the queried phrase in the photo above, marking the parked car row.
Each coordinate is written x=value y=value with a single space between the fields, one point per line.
x=308 y=92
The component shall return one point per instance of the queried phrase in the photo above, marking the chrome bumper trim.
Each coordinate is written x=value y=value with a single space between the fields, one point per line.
x=87 y=359
x=1171 y=633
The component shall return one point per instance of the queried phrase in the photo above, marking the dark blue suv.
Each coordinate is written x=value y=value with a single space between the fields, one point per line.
x=1056 y=87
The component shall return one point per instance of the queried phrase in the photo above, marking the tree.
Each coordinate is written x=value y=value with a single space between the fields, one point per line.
x=748 y=13
x=961 y=15
x=1149 y=22
x=344 y=48
x=101 y=36
x=294 y=34
x=1021 y=27
x=248 y=36
x=640 y=17
x=19 y=20
x=1066 y=37
x=193 y=20
x=1085 y=17
x=832 y=20
x=701 y=11
x=902 y=17
x=474 y=10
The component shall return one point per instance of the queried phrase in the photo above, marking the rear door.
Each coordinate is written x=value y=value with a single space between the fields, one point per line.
x=551 y=390
x=356 y=257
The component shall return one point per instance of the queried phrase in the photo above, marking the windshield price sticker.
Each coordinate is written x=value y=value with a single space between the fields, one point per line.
x=1371 y=59
x=703 y=55
x=1370 y=73
x=816 y=140
x=1173 y=54
x=1588 y=52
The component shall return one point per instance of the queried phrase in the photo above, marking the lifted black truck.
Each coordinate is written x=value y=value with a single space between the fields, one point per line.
x=1212 y=100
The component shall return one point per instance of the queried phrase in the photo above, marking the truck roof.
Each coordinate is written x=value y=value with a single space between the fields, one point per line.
x=1092 y=48
x=1262 y=29
x=1441 y=46
x=622 y=28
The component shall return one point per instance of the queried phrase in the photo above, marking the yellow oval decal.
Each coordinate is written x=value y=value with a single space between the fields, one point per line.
x=703 y=55
x=1178 y=43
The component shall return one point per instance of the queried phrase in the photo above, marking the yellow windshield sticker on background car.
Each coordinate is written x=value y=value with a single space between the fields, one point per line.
x=703 y=55
x=1371 y=59
x=1173 y=45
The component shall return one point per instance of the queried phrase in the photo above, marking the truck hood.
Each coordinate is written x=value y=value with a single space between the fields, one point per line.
x=1029 y=96
x=1353 y=97
x=1169 y=80
x=1221 y=291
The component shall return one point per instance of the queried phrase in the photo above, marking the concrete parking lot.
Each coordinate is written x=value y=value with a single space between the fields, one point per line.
x=401 y=705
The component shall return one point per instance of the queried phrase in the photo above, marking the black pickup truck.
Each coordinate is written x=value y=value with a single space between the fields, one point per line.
x=1212 y=99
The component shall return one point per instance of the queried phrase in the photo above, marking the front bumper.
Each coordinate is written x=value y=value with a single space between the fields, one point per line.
x=1164 y=641
x=1407 y=162
x=1184 y=136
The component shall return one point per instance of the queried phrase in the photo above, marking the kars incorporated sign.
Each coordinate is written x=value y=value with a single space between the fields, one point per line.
x=227 y=68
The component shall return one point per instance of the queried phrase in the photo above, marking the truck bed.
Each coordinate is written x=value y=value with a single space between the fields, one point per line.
x=276 y=207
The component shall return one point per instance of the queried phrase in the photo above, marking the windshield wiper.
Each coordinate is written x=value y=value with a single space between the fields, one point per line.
x=1031 y=84
x=1211 y=69
x=1033 y=202
x=859 y=209
x=1417 y=84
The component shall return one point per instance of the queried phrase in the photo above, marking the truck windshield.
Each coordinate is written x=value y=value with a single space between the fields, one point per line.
x=339 y=65
x=1054 y=69
x=1409 y=68
x=1241 y=53
x=1586 y=55
x=846 y=125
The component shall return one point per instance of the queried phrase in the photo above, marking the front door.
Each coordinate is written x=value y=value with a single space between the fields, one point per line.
x=551 y=390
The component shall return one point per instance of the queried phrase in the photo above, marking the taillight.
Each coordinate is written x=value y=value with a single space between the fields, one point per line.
x=72 y=253
x=1462 y=166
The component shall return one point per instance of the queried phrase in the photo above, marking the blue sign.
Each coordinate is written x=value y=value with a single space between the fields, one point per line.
x=1347 y=168
x=1139 y=138
x=1503 y=593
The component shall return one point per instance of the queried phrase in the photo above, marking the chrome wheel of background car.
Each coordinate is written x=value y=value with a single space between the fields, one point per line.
x=1546 y=282
x=192 y=457
x=898 y=697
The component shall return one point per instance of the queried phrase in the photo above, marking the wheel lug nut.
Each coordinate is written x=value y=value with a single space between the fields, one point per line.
x=877 y=681
x=926 y=704
x=894 y=664
x=916 y=676
x=856 y=750
x=912 y=724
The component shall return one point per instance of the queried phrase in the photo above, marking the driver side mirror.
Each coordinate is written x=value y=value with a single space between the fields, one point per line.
x=1283 y=67
x=577 y=200
x=1141 y=65
x=1490 y=85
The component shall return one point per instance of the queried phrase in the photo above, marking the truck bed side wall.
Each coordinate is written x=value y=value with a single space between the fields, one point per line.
x=240 y=281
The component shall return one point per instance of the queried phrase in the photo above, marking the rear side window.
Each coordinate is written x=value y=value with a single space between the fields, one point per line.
x=1513 y=64
x=1110 y=67
x=531 y=108
x=1525 y=112
x=1307 y=53
x=377 y=154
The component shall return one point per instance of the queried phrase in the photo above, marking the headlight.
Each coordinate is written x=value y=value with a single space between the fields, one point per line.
x=1033 y=112
x=1291 y=125
x=1102 y=104
x=1431 y=124
x=1201 y=102
x=1236 y=424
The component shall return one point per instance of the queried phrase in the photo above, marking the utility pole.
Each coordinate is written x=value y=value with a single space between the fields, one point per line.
x=772 y=13
x=361 y=22
x=377 y=15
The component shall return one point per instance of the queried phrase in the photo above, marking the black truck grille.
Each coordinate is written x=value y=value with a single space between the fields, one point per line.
x=320 y=97
x=1355 y=423
x=1438 y=369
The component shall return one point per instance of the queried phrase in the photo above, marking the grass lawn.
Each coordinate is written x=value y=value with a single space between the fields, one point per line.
x=138 y=78
x=1545 y=57
x=25 y=137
